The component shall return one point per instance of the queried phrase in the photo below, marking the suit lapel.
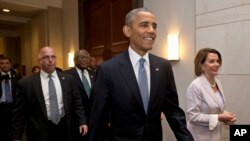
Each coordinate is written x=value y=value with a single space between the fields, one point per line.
x=39 y=92
x=91 y=76
x=78 y=79
x=154 y=79
x=222 y=93
x=210 y=91
x=128 y=74
x=13 y=78
x=64 y=87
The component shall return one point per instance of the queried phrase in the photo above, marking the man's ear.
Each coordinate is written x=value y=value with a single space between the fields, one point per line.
x=126 y=30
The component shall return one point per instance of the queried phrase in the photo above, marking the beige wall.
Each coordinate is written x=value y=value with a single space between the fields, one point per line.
x=55 y=33
x=53 y=27
x=37 y=3
x=70 y=29
x=44 y=29
x=2 y=45
x=27 y=57
x=9 y=46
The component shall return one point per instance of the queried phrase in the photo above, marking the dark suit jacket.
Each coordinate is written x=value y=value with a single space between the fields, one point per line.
x=30 y=106
x=116 y=90
x=6 y=108
x=84 y=97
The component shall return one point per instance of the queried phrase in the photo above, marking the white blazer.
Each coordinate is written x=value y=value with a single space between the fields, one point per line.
x=203 y=108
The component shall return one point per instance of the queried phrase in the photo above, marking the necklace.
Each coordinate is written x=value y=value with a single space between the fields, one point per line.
x=213 y=85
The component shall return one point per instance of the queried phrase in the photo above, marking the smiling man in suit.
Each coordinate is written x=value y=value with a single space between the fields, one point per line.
x=135 y=87
x=46 y=101
x=84 y=78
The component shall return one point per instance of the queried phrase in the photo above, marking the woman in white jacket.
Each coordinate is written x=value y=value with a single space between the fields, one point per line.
x=205 y=98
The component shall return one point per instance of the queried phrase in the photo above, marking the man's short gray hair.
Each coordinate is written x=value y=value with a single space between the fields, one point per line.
x=131 y=15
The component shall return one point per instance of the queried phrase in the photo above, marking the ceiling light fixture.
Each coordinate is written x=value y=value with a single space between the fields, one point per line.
x=6 y=10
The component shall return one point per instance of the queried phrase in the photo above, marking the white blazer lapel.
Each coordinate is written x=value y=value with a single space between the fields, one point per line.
x=206 y=86
x=222 y=93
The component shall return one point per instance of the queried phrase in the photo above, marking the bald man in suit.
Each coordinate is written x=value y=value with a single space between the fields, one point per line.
x=34 y=105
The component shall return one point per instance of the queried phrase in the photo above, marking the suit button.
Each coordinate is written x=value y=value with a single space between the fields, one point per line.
x=146 y=125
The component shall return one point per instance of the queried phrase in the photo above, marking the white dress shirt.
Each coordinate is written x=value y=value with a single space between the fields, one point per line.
x=45 y=87
x=3 y=98
x=134 y=58
x=85 y=72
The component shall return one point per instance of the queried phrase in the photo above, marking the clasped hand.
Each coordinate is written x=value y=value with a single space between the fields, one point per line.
x=227 y=117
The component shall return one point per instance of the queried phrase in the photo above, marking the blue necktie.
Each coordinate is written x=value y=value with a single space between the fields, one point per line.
x=8 y=94
x=143 y=84
x=54 y=109
x=86 y=84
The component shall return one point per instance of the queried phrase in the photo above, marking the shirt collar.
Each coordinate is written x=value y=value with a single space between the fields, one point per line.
x=45 y=74
x=80 y=71
x=4 y=73
x=135 y=57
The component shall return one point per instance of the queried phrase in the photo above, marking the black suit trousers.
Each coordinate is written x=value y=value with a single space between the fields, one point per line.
x=5 y=121
x=57 y=132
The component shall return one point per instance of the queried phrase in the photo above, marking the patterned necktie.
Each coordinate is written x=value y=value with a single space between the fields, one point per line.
x=8 y=94
x=54 y=109
x=86 y=84
x=143 y=84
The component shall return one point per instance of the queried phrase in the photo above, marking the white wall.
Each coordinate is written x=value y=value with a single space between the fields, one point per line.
x=176 y=16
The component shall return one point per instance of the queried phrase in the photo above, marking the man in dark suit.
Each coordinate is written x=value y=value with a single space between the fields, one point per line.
x=82 y=61
x=46 y=101
x=9 y=79
x=135 y=87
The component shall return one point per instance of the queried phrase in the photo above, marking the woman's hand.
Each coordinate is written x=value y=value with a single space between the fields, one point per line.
x=227 y=117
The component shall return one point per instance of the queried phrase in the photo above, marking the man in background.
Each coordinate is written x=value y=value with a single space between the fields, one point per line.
x=9 y=79
x=84 y=78
x=47 y=101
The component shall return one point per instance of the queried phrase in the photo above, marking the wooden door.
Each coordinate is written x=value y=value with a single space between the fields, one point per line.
x=103 y=24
